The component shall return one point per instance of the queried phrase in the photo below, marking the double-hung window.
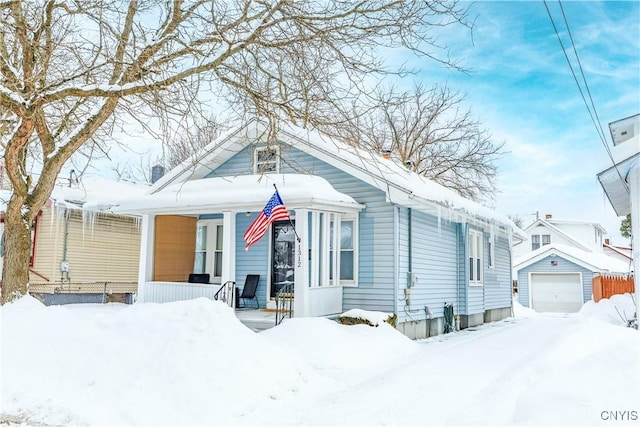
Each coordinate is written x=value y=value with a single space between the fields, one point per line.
x=346 y=256
x=266 y=160
x=208 y=257
x=537 y=238
x=475 y=258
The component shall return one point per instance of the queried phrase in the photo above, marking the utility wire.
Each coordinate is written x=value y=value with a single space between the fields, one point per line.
x=584 y=79
x=598 y=127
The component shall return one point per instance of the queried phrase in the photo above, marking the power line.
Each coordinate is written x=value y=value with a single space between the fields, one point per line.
x=595 y=120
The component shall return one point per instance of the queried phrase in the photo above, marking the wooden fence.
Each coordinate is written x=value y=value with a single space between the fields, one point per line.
x=606 y=286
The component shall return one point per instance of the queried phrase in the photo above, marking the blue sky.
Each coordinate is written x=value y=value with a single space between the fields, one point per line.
x=521 y=88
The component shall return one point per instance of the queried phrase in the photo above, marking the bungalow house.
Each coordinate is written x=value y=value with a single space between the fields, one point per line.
x=77 y=256
x=620 y=180
x=364 y=232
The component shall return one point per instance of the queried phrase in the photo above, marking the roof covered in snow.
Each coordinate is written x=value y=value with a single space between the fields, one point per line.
x=241 y=193
x=597 y=262
x=86 y=190
x=401 y=185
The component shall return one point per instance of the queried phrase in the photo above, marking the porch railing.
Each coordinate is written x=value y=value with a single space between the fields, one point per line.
x=227 y=293
x=284 y=303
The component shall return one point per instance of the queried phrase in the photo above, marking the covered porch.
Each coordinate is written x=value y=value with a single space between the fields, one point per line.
x=197 y=227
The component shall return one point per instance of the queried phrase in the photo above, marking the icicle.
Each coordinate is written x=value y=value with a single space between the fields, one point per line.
x=138 y=222
x=52 y=213
x=439 y=220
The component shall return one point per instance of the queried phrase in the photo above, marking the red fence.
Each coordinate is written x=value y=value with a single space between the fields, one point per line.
x=606 y=286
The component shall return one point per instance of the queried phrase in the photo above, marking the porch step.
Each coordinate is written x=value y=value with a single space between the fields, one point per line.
x=257 y=320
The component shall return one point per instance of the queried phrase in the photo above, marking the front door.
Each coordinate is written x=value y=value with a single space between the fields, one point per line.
x=283 y=255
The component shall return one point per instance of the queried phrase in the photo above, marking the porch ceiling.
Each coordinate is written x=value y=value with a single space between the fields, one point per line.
x=245 y=193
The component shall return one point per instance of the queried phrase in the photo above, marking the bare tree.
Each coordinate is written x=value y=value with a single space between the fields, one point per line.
x=517 y=220
x=430 y=132
x=201 y=133
x=74 y=72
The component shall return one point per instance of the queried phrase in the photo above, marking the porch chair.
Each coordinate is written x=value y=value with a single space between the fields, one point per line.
x=249 y=290
x=199 y=278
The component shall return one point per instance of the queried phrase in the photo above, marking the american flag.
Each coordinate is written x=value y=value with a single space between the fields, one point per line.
x=274 y=210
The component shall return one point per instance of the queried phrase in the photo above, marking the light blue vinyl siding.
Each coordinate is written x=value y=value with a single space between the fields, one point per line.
x=433 y=260
x=375 y=222
x=497 y=280
x=253 y=261
x=544 y=266
x=462 y=308
x=403 y=256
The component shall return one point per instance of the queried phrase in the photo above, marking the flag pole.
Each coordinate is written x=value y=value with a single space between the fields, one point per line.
x=290 y=222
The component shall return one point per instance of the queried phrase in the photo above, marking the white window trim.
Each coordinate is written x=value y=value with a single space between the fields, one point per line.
x=351 y=283
x=257 y=150
x=476 y=237
x=211 y=225
x=492 y=251
x=540 y=240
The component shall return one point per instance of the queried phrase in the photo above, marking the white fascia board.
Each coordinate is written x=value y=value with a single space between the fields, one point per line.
x=613 y=183
x=211 y=156
x=209 y=208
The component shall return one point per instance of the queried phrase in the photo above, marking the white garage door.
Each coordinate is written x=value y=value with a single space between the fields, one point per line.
x=560 y=293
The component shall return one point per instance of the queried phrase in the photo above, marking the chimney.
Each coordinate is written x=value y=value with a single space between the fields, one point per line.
x=157 y=172
x=386 y=154
x=548 y=216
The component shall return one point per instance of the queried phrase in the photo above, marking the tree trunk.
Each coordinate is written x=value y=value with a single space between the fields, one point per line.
x=17 y=239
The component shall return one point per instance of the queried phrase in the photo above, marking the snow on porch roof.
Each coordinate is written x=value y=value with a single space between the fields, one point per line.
x=237 y=194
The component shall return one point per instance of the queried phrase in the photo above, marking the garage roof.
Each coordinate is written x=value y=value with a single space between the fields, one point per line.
x=596 y=262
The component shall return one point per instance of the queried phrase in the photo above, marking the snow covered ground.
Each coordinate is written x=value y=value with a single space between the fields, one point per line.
x=194 y=363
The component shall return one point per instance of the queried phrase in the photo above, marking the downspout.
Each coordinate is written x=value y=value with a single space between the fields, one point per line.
x=460 y=267
x=409 y=243
x=64 y=267
x=511 y=269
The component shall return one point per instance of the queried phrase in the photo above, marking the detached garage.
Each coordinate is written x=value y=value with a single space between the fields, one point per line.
x=558 y=278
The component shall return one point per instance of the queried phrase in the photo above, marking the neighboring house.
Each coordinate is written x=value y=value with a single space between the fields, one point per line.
x=79 y=257
x=622 y=253
x=620 y=180
x=587 y=236
x=364 y=233
x=554 y=269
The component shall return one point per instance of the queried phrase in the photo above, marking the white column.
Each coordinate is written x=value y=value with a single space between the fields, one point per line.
x=315 y=253
x=228 y=247
x=634 y=193
x=147 y=253
x=301 y=301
